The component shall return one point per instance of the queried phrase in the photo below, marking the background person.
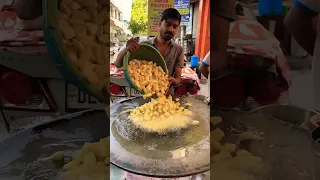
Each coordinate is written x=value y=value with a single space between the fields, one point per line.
x=302 y=22
x=205 y=66
x=238 y=81
x=205 y=69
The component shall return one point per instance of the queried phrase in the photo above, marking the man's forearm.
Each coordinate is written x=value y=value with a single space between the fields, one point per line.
x=177 y=81
x=218 y=46
x=301 y=28
x=119 y=60
x=204 y=70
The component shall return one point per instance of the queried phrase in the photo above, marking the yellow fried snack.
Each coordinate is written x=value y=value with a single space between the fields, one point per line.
x=162 y=115
x=148 y=77
x=92 y=162
x=85 y=40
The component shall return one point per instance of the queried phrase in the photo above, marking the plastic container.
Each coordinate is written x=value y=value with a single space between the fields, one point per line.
x=145 y=52
x=270 y=7
x=194 y=61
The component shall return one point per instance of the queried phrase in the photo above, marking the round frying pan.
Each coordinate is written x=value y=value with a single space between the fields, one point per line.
x=176 y=154
x=285 y=145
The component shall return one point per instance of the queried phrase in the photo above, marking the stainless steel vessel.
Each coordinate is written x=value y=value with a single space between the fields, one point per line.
x=291 y=114
x=316 y=151
x=286 y=146
x=175 y=154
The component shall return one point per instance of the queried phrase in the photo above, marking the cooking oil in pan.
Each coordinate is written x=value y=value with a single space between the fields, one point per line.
x=127 y=134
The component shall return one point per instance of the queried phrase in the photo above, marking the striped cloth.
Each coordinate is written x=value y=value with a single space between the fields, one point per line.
x=250 y=42
x=13 y=40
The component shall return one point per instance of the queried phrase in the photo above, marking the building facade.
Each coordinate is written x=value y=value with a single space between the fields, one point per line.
x=116 y=20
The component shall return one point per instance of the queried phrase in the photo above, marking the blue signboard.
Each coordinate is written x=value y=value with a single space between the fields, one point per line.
x=189 y=25
x=183 y=6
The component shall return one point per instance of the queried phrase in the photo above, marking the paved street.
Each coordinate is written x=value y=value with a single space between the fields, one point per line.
x=301 y=92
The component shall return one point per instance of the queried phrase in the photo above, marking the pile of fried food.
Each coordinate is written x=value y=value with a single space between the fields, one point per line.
x=92 y=162
x=148 y=77
x=82 y=24
x=162 y=114
x=228 y=162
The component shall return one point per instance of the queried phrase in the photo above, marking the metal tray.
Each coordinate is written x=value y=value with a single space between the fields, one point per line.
x=24 y=154
x=286 y=146
x=176 y=154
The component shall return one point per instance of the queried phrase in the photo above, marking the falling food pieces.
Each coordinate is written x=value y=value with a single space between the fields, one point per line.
x=249 y=136
x=58 y=156
x=187 y=104
x=217 y=134
x=215 y=120
x=215 y=146
x=148 y=77
x=231 y=148
x=195 y=123
x=243 y=152
x=229 y=162
x=79 y=24
x=91 y=162
x=162 y=115
x=222 y=156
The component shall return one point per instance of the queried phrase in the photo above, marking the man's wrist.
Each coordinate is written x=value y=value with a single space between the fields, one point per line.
x=176 y=81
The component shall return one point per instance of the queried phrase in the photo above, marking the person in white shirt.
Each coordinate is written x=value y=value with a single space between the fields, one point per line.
x=301 y=22
x=205 y=68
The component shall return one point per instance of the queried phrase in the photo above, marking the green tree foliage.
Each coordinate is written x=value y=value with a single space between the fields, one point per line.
x=139 y=17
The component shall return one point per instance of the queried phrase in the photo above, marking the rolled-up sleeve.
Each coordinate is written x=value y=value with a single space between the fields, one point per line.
x=224 y=8
x=206 y=60
x=308 y=6
x=180 y=59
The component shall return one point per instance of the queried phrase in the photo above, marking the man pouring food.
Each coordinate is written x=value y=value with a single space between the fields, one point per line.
x=171 y=52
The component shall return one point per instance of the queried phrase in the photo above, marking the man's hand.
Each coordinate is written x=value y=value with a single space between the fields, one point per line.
x=133 y=44
x=205 y=70
x=174 y=81
x=171 y=79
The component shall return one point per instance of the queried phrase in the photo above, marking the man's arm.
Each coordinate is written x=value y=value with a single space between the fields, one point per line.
x=131 y=45
x=119 y=60
x=205 y=65
x=177 y=76
x=299 y=22
x=178 y=69
x=222 y=13
x=28 y=10
x=204 y=69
